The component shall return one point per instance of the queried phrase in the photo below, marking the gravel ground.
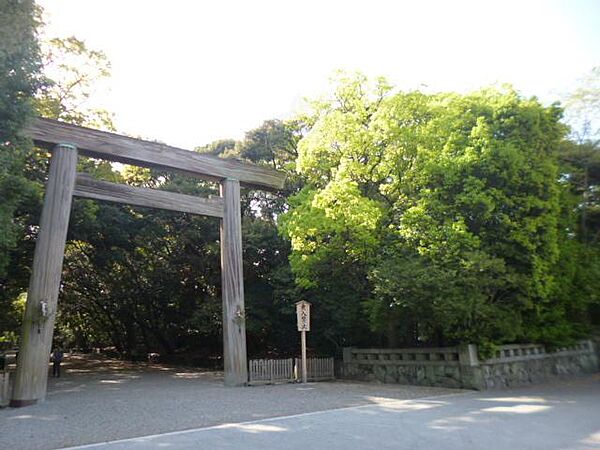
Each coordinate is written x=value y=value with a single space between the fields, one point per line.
x=560 y=415
x=99 y=400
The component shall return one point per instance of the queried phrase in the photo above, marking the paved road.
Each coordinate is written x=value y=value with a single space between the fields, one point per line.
x=563 y=415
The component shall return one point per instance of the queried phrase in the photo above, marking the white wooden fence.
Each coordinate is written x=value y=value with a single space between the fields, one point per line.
x=317 y=369
x=268 y=371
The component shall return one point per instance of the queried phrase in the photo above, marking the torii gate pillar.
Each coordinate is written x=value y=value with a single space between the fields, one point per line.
x=234 y=325
x=42 y=297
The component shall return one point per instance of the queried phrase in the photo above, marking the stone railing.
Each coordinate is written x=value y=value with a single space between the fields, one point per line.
x=409 y=356
x=461 y=366
x=523 y=364
x=520 y=352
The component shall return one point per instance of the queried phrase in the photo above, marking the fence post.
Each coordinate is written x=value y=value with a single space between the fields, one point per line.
x=348 y=367
x=594 y=352
x=4 y=392
x=470 y=372
x=467 y=355
x=346 y=354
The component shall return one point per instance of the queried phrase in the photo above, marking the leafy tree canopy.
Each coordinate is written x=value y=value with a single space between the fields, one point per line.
x=448 y=203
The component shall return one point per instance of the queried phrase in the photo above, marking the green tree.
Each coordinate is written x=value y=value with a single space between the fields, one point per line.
x=446 y=204
x=581 y=156
x=334 y=221
x=583 y=108
x=74 y=72
x=55 y=82
x=20 y=80
x=146 y=280
x=580 y=177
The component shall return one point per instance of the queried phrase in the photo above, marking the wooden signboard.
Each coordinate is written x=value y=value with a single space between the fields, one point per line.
x=303 y=318
x=303 y=315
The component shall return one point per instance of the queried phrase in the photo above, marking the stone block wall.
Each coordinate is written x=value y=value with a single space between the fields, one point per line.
x=426 y=367
x=460 y=367
x=519 y=365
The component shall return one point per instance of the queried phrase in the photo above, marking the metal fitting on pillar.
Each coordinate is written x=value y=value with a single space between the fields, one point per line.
x=66 y=145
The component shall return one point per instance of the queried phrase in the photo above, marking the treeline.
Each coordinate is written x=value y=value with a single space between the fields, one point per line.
x=444 y=218
x=407 y=219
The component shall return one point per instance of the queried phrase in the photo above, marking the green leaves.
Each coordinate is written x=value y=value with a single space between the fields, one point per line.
x=335 y=216
x=448 y=202
x=74 y=71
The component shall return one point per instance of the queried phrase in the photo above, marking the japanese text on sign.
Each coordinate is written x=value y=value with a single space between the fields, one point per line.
x=303 y=315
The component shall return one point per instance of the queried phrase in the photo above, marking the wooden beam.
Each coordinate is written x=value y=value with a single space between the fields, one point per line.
x=44 y=284
x=88 y=187
x=114 y=147
x=232 y=286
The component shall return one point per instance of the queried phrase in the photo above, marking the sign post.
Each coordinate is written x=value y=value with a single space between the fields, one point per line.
x=303 y=317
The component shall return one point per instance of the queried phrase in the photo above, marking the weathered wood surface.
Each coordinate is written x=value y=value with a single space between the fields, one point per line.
x=268 y=371
x=115 y=147
x=303 y=366
x=232 y=285
x=88 y=187
x=40 y=312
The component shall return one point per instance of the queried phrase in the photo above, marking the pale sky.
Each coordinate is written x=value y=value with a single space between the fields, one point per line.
x=190 y=72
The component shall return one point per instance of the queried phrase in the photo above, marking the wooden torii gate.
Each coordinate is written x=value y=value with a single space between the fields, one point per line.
x=66 y=142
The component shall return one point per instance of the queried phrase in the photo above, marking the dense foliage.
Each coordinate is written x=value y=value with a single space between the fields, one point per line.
x=406 y=219
x=20 y=80
x=141 y=279
x=444 y=217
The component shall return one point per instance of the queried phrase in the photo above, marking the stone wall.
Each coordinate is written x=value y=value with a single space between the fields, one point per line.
x=420 y=366
x=512 y=365
x=519 y=365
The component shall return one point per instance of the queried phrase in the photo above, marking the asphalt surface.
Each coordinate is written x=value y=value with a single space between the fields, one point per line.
x=559 y=416
x=103 y=400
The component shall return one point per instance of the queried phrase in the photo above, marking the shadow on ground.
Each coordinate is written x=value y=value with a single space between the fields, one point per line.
x=558 y=416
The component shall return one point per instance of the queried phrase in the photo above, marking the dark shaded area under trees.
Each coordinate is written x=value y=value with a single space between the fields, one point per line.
x=406 y=219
